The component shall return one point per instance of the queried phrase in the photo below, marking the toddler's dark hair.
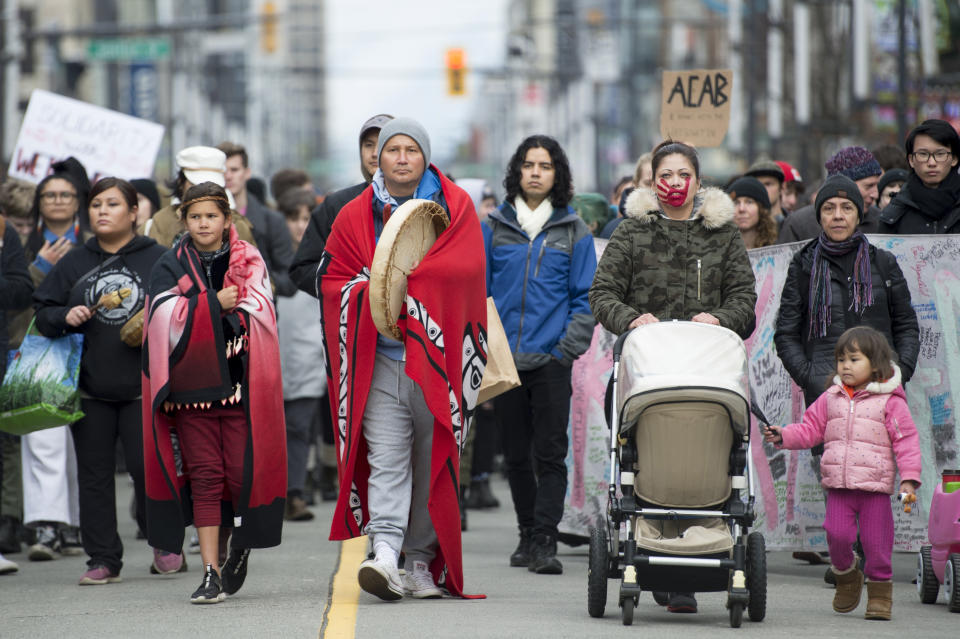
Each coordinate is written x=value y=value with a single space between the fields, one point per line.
x=874 y=347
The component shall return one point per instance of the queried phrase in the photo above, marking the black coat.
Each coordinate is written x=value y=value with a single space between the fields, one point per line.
x=904 y=216
x=809 y=360
x=305 y=262
x=109 y=369
x=16 y=286
x=273 y=240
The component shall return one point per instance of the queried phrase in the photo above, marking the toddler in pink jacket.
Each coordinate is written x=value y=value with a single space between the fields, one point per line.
x=864 y=423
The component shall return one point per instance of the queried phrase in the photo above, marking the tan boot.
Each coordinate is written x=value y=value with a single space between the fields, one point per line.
x=849 y=587
x=879 y=600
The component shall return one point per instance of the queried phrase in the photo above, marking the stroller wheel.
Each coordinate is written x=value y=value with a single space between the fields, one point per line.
x=597 y=572
x=736 y=615
x=756 y=577
x=626 y=611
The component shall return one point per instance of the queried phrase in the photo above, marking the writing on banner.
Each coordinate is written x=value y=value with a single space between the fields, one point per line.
x=789 y=499
x=106 y=142
x=695 y=106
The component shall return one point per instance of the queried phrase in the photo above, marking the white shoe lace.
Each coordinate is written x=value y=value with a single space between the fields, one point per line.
x=420 y=580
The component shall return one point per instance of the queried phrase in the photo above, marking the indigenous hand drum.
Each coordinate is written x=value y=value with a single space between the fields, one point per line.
x=406 y=238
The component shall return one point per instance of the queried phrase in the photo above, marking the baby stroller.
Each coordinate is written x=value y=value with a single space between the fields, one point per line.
x=681 y=496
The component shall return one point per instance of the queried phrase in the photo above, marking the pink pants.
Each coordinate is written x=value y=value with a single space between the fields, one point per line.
x=845 y=508
x=213 y=442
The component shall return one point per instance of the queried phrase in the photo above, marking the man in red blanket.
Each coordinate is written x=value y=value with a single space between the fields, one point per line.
x=402 y=407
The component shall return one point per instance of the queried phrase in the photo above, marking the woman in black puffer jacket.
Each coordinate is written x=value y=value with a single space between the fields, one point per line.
x=866 y=287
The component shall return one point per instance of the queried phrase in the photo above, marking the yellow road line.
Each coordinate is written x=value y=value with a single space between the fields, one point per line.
x=340 y=614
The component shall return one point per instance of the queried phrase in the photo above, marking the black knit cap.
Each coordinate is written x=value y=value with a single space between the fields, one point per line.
x=751 y=187
x=764 y=168
x=891 y=176
x=839 y=186
x=148 y=189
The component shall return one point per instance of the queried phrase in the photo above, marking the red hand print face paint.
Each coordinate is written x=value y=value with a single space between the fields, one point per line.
x=671 y=196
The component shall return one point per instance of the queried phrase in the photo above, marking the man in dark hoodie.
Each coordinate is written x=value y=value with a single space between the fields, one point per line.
x=307 y=259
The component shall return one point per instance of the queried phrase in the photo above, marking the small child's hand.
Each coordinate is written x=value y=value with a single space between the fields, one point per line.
x=773 y=434
x=909 y=487
x=228 y=297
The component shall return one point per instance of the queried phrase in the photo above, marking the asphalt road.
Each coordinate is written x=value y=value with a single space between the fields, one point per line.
x=288 y=592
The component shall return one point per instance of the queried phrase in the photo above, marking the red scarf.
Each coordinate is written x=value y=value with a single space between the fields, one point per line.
x=444 y=333
x=185 y=361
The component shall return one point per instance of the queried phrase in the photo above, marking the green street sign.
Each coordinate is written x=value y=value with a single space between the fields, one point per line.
x=119 y=49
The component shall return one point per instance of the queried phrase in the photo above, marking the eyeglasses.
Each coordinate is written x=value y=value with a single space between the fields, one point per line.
x=940 y=156
x=52 y=196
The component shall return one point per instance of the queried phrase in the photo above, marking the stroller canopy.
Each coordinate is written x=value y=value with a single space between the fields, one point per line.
x=683 y=361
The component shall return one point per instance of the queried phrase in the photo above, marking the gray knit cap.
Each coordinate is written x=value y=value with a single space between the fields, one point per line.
x=408 y=127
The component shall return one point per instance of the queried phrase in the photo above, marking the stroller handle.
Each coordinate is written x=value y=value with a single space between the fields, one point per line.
x=618 y=345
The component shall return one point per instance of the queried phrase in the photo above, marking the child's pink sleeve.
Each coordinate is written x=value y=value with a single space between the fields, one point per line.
x=904 y=438
x=809 y=432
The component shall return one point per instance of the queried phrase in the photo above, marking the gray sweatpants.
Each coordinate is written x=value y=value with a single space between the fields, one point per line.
x=398 y=428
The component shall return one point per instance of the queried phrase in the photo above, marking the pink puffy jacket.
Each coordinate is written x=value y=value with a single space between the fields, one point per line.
x=861 y=436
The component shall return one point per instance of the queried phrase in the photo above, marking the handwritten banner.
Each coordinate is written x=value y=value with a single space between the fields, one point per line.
x=107 y=143
x=696 y=106
x=790 y=504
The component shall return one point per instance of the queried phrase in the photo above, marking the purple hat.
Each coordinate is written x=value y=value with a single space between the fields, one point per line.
x=855 y=162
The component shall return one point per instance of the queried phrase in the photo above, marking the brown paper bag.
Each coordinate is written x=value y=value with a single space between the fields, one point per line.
x=500 y=374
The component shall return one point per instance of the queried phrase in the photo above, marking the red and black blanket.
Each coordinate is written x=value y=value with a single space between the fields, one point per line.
x=444 y=334
x=185 y=362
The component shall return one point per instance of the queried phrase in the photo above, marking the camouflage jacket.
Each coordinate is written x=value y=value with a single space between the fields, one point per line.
x=675 y=269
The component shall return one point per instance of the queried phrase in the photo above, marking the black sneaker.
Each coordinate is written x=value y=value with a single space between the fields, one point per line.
x=234 y=569
x=682 y=602
x=521 y=556
x=209 y=590
x=543 y=556
x=70 y=545
x=47 y=543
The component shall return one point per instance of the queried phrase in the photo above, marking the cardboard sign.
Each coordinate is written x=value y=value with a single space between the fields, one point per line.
x=696 y=106
x=107 y=143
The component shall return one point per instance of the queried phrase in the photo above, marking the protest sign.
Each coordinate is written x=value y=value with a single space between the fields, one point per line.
x=106 y=142
x=695 y=107
x=789 y=500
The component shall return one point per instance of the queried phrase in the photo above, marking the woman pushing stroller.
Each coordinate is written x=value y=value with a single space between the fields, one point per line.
x=677 y=255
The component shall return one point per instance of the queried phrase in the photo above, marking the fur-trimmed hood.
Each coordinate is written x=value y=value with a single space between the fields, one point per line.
x=880 y=387
x=713 y=207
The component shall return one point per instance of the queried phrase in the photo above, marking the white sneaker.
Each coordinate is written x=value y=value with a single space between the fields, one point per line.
x=7 y=566
x=418 y=583
x=379 y=577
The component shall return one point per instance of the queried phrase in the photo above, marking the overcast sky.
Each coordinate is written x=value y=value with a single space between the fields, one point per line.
x=385 y=56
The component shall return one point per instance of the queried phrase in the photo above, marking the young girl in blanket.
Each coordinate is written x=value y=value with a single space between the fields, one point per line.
x=212 y=326
x=864 y=422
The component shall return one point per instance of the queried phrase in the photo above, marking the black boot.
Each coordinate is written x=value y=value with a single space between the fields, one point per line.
x=543 y=556
x=9 y=535
x=480 y=495
x=328 y=483
x=521 y=556
x=463 y=510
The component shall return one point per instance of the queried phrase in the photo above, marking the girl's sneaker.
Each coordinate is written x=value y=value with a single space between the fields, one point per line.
x=99 y=575
x=167 y=563
x=234 y=569
x=209 y=590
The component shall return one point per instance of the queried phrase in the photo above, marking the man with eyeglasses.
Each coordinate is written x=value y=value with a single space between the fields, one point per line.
x=929 y=201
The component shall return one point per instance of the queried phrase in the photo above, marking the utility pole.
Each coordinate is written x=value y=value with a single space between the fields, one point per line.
x=902 y=70
x=11 y=76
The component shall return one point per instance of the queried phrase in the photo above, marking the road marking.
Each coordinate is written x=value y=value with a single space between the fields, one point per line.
x=340 y=614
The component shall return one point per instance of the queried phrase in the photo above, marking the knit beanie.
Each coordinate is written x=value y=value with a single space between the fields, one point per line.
x=765 y=167
x=839 y=186
x=408 y=127
x=855 y=162
x=148 y=189
x=891 y=176
x=751 y=187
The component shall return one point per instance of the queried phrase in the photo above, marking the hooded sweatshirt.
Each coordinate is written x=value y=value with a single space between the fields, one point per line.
x=109 y=369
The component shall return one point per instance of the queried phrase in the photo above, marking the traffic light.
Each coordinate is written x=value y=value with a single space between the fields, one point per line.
x=456 y=72
x=268 y=27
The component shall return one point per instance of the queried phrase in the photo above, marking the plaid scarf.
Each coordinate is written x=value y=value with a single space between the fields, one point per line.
x=821 y=296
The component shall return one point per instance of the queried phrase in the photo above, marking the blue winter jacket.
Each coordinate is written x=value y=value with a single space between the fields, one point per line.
x=540 y=285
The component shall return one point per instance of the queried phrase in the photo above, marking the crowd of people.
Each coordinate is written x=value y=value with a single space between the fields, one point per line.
x=260 y=381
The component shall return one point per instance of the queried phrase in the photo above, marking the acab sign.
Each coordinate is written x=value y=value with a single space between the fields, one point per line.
x=696 y=106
